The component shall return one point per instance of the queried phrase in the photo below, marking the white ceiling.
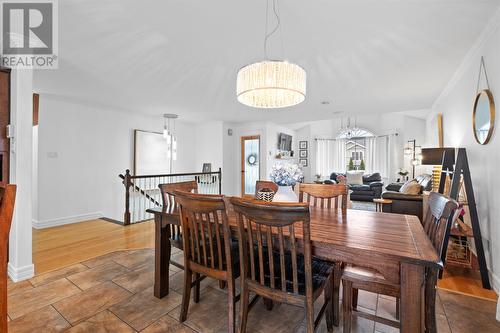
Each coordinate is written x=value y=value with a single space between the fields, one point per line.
x=182 y=56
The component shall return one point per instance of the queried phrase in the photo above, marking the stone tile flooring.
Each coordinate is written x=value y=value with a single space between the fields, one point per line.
x=113 y=293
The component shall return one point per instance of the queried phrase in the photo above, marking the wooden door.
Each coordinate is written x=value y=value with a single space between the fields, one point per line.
x=4 y=121
x=250 y=164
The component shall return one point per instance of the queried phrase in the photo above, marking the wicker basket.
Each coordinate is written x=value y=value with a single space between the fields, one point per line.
x=265 y=194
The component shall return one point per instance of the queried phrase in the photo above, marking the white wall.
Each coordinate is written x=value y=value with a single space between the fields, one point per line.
x=456 y=104
x=20 y=265
x=268 y=148
x=82 y=150
x=209 y=136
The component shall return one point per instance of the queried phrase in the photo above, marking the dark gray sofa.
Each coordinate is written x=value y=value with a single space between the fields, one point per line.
x=407 y=203
x=371 y=188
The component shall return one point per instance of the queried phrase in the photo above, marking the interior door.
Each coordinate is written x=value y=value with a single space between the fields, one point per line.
x=250 y=164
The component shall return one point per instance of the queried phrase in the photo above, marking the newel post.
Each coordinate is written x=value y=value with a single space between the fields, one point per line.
x=127 y=182
x=220 y=180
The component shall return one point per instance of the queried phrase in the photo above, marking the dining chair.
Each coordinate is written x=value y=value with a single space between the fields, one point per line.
x=270 y=236
x=324 y=195
x=262 y=184
x=208 y=248
x=435 y=225
x=8 y=198
x=168 y=199
x=440 y=214
x=332 y=196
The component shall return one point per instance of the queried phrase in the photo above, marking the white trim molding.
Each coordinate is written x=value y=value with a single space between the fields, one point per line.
x=471 y=57
x=17 y=274
x=498 y=311
x=66 y=220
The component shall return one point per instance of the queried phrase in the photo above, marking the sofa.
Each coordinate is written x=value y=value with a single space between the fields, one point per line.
x=371 y=188
x=410 y=204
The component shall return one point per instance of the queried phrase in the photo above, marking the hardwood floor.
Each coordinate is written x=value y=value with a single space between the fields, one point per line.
x=58 y=247
x=465 y=281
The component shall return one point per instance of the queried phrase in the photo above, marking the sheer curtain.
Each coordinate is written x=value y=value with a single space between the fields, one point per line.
x=330 y=156
x=378 y=155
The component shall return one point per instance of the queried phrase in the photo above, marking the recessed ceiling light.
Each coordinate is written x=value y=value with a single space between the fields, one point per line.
x=325 y=102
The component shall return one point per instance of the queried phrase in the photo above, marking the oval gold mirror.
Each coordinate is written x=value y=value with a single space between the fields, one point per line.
x=483 y=116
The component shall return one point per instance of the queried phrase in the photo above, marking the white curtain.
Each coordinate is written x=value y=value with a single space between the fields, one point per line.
x=378 y=154
x=330 y=156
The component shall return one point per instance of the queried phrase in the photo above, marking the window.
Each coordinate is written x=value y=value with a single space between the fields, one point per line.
x=366 y=151
x=356 y=141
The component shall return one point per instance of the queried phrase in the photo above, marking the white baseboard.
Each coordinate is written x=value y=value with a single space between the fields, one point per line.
x=66 y=220
x=17 y=274
x=498 y=311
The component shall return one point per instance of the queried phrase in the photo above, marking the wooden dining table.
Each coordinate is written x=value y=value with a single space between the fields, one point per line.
x=395 y=245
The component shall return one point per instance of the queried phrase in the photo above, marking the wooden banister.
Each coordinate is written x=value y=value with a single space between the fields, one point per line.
x=145 y=187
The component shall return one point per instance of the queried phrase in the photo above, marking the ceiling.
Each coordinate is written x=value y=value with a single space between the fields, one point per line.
x=182 y=56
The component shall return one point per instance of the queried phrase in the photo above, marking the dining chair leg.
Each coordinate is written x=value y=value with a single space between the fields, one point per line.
x=430 y=301
x=309 y=316
x=329 y=305
x=355 y=298
x=398 y=302
x=244 y=295
x=231 y=307
x=222 y=284
x=268 y=303
x=186 y=294
x=196 y=295
x=347 y=305
x=337 y=277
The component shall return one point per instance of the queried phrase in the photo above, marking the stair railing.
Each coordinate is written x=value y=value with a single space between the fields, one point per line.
x=142 y=191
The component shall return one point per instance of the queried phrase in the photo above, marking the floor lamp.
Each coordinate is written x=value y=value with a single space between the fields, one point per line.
x=415 y=152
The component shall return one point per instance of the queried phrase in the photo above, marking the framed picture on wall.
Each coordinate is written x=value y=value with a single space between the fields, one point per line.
x=302 y=153
x=303 y=162
x=302 y=144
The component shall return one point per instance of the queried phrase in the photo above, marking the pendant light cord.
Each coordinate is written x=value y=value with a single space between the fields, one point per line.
x=278 y=26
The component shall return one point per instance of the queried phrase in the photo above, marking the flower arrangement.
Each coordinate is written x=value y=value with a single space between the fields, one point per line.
x=341 y=179
x=286 y=174
x=403 y=172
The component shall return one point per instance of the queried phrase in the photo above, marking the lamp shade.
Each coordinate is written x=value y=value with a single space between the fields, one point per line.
x=434 y=156
x=271 y=84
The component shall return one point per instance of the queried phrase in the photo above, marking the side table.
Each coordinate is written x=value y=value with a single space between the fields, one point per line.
x=379 y=204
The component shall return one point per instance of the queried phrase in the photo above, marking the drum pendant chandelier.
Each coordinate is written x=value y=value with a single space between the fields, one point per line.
x=271 y=84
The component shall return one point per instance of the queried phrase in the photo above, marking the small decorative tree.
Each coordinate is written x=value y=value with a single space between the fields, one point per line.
x=362 y=165
x=351 y=165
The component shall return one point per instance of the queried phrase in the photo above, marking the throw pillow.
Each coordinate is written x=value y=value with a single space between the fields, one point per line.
x=411 y=187
x=354 y=178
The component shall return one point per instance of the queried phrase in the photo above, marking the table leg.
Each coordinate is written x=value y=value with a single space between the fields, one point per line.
x=412 y=298
x=162 y=257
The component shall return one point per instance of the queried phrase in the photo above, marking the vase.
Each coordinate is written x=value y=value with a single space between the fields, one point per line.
x=285 y=194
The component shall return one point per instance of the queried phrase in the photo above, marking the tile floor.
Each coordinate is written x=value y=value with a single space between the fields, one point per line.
x=113 y=293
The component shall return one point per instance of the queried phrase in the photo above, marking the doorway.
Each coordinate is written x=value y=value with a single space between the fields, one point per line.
x=250 y=164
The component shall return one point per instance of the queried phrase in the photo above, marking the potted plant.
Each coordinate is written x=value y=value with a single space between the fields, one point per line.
x=362 y=165
x=351 y=165
x=403 y=173
x=286 y=176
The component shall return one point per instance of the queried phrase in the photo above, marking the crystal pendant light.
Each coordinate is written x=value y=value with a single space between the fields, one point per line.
x=271 y=84
x=169 y=136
